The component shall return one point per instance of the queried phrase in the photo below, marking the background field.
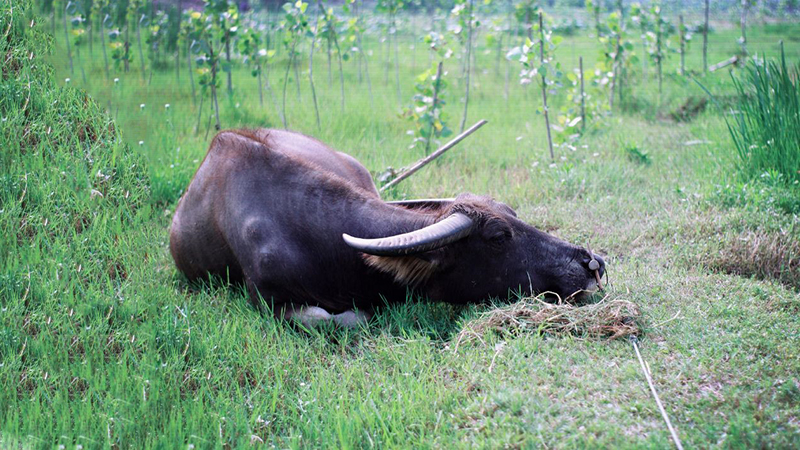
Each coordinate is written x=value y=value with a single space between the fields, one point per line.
x=104 y=345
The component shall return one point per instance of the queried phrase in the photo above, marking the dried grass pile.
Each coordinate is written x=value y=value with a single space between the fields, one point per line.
x=606 y=319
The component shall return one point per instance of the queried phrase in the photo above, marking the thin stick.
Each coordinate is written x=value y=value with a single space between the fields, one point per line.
x=424 y=161
x=655 y=395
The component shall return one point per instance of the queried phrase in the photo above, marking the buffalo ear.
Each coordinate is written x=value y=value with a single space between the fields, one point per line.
x=406 y=270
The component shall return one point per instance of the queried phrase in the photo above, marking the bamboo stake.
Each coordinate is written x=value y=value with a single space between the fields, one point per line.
x=424 y=161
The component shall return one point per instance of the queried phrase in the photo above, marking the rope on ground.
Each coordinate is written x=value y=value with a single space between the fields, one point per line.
x=646 y=371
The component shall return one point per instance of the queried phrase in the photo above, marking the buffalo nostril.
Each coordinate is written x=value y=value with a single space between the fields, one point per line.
x=594 y=265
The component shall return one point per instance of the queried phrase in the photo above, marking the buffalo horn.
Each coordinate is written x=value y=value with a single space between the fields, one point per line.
x=439 y=234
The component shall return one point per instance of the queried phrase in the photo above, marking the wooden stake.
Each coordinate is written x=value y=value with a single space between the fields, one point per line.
x=726 y=63
x=439 y=152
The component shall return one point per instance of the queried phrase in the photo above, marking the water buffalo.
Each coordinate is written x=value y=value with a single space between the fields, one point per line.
x=305 y=229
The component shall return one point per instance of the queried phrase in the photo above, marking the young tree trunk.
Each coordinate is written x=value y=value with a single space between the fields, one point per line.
x=191 y=77
x=69 y=50
x=658 y=61
x=705 y=41
x=141 y=52
x=597 y=19
x=272 y=98
x=260 y=89
x=468 y=64
x=199 y=116
x=90 y=28
x=341 y=69
x=683 y=45
x=397 y=64
x=615 y=79
x=388 y=54
x=743 y=24
x=435 y=100
x=311 y=67
x=544 y=89
x=228 y=60
x=358 y=42
x=413 y=44
x=214 y=87
x=583 y=96
x=105 y=54
x=330 y=70
x=286 y=81
x=127 y=46
x=80 y=63
x=511 y=42
x=644 y=52
x=366 y=71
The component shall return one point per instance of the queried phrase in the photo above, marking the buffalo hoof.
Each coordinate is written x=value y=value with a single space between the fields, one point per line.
x=311 y=316
x=352 y=319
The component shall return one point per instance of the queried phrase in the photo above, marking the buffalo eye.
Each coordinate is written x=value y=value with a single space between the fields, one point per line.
x=496 y=231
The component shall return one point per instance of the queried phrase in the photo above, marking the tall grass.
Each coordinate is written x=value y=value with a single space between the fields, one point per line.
x=766 y=127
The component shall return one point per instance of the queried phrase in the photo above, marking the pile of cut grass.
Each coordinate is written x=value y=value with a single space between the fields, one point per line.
x=610 y=318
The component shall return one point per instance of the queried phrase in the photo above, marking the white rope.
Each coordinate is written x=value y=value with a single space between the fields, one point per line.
x=655 y=395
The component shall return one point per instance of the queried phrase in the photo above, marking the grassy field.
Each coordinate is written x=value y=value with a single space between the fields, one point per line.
x=104 y=345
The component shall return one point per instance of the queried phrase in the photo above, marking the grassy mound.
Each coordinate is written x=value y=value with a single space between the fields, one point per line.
x=69 y=188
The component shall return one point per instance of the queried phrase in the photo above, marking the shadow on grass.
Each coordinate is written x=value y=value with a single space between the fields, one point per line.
x=416 y=318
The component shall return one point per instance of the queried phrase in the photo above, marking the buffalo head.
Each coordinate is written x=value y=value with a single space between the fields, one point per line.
x=476 y=248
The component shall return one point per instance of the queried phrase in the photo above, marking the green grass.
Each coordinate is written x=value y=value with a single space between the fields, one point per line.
x=766 y=125
x=103 y=344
